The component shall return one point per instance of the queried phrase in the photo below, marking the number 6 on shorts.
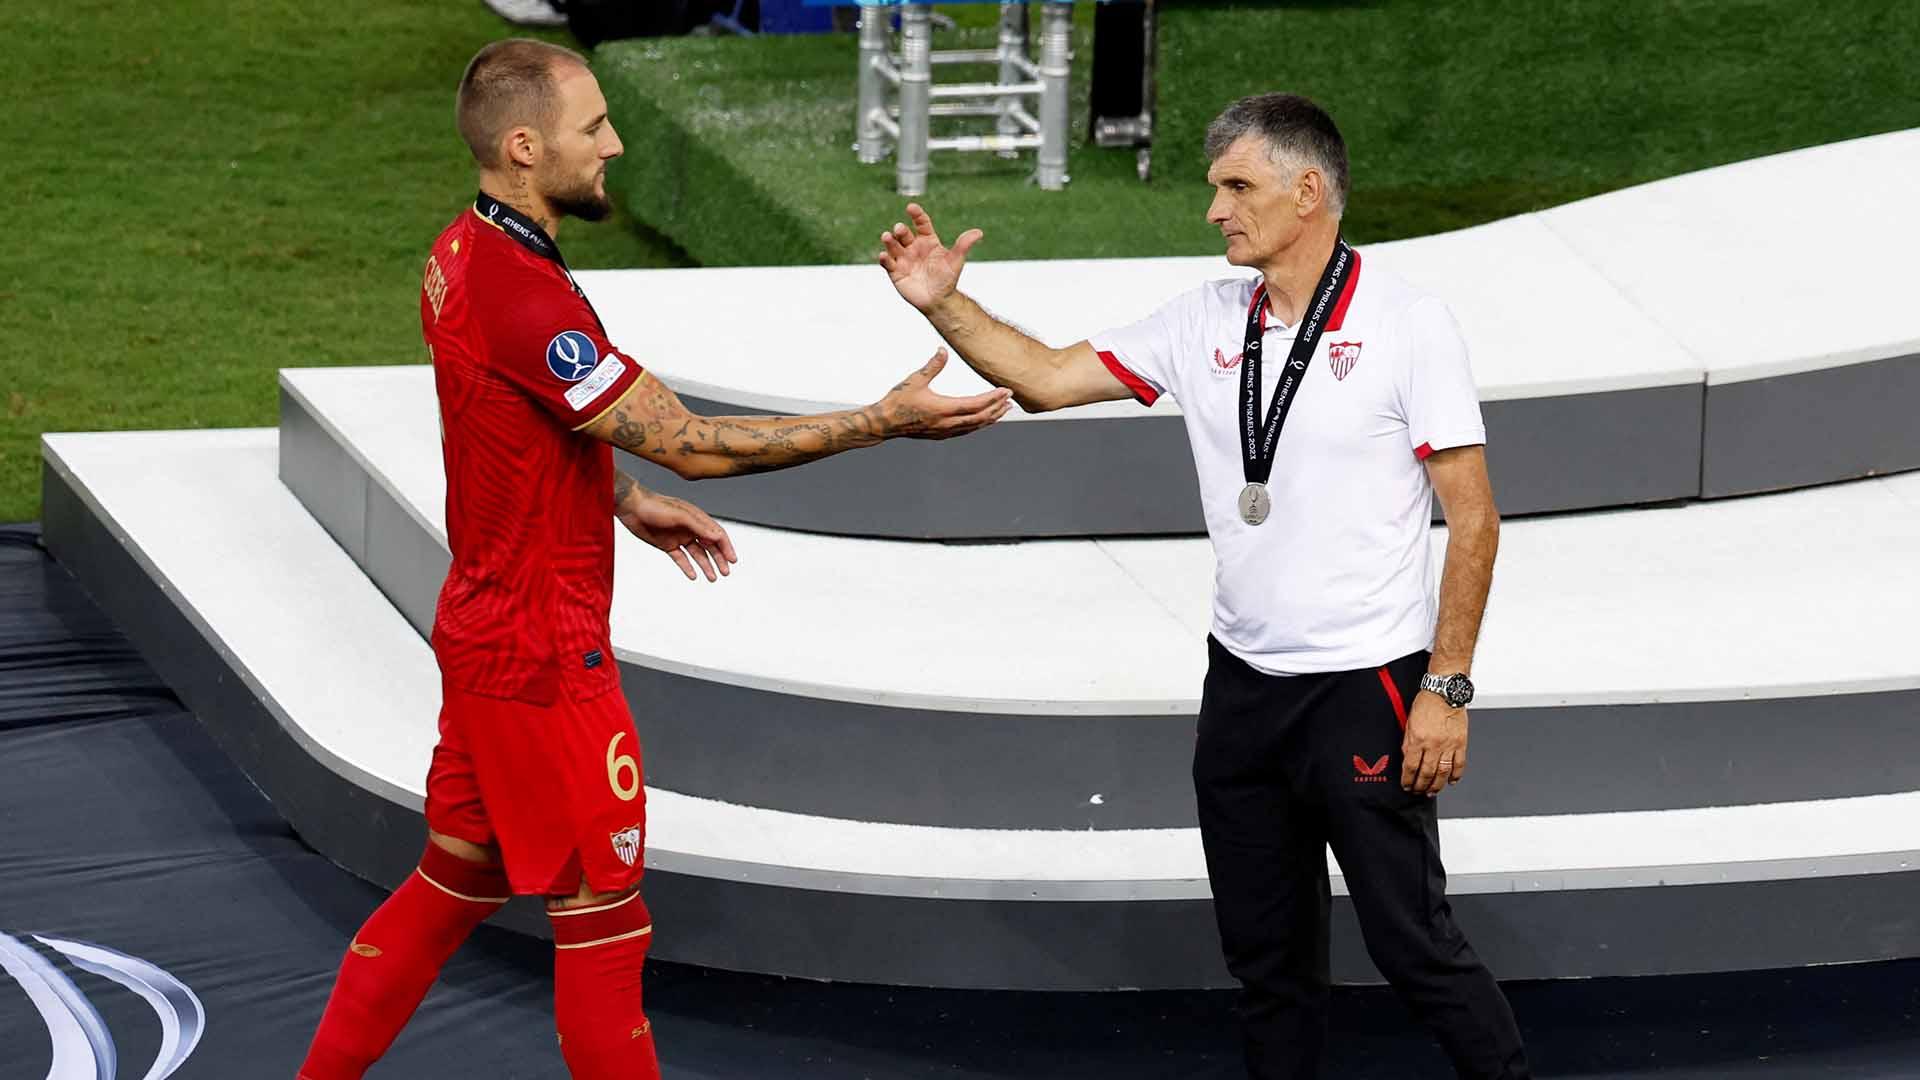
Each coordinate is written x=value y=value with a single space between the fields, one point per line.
x=617 y=764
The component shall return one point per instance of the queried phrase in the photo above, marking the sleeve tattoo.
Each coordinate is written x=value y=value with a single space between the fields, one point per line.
x=706 y=446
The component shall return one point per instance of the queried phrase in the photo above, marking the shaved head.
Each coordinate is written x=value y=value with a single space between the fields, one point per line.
x=509 y=84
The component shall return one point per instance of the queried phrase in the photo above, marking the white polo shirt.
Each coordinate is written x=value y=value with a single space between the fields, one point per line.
x=1339 y=577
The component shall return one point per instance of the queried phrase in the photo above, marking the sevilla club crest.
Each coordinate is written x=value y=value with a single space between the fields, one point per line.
x=1342 y=355
x=626 y=845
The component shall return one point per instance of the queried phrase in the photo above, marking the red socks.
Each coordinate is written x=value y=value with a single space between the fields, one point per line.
x=597 y=957
x=397 y=956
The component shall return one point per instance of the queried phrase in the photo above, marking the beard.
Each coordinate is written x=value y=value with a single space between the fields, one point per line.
x=581 y=201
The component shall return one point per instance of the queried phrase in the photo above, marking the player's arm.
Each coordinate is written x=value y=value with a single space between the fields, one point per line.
x=1042 y=378
x=675 y=526
x=650 y=421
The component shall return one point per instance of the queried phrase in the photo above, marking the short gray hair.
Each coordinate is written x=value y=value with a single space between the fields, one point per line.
x=1299 y=133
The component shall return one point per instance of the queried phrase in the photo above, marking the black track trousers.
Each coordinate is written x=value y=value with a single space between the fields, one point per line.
x=1284 y=768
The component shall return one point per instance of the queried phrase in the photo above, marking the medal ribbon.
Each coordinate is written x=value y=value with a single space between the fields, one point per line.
x=1257 y=444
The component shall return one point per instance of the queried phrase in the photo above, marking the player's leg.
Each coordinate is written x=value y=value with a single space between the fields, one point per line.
x=398 y=953
x=1266 y=862
x=563 y=792
x=1388 y=844
x=600 y=945
x=601 y=928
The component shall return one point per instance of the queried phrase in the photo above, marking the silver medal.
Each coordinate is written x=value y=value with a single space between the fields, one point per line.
x=1255 y=504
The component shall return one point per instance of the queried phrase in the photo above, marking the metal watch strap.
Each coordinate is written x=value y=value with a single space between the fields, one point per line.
x=1438 y=684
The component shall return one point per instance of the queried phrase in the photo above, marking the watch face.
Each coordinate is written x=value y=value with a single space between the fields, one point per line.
x=1459 y=690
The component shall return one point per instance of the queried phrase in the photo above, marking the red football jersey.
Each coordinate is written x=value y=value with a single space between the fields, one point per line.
x=521 y=364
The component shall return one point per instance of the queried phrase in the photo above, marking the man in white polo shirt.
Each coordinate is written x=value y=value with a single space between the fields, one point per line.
x=1327 y=402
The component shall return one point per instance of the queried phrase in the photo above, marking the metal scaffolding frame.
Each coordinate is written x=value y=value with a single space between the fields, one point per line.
x=898 y=99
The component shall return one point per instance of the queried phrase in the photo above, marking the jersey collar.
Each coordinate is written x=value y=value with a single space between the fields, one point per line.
x=527 y=234
x=1334 y=321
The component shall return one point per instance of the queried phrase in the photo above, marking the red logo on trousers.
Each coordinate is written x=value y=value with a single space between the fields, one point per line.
x=1369 y=774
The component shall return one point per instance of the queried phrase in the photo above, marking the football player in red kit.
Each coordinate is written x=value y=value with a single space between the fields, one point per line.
x=536 y=784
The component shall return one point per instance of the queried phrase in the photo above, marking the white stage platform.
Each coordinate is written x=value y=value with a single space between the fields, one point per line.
x=1606 y=634
x=191 y=542
x=1689 y=600
x=1696 y=278
x=1667 y=341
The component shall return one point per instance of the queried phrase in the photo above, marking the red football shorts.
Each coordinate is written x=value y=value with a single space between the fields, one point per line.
x=557 y=787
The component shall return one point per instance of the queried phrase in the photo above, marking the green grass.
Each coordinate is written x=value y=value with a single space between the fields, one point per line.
x=1455 y=112
x=206 y=192
x=1462 y=112
x=741 y=152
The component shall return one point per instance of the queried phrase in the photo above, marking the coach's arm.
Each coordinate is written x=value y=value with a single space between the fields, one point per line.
x=927 y=275
x=1436 y=731
x=652 y=422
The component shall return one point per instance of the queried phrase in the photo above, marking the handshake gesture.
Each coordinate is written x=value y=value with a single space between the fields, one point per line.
x=924 y=271
x=914 y=410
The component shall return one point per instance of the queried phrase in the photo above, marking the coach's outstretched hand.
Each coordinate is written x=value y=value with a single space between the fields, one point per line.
x=913 y=410
x=679 y=528
x=923 y=271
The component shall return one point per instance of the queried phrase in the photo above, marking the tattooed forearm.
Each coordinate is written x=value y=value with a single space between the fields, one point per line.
x=706 y=446
x=623 y=487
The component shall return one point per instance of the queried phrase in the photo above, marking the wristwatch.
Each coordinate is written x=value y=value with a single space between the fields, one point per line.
x=1457 y=689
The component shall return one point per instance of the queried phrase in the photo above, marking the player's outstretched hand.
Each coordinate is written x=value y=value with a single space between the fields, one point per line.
x=923 y=271
x=914 y=410
x=683 y=531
